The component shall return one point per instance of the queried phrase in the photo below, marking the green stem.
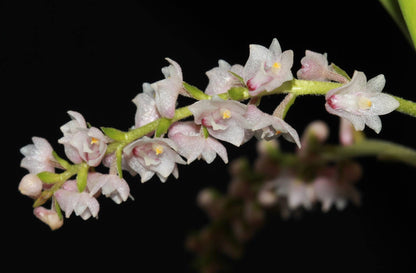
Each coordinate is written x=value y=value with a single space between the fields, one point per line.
x=137 y=133
x=302 y=87
x=60 y=179
x=406 y=106
x=372 y=147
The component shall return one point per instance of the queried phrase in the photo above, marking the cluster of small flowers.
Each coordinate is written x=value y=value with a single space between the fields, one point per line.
x=278 y=182
x=81 y=144
x=215 y=119
x=358 y=100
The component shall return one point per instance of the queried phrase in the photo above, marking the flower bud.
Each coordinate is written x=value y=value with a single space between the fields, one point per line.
x=206 y=198
x=49 y=217
x=346 y=132
x=314 y=66
x=267 y=198
x=30 y=185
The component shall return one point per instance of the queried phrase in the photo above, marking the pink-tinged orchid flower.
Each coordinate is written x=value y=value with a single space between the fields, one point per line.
x=192 y=143
x=108 y=184
x=168 y=89
x=224 y=119
x=220 y=78
x=38 y=156
x=333 y=188
x=297 y=193
x=361 y=102
x=268 y=127
x=49 y=217
x=267 y=69
x=147 y=156
x=71 y=200
x=82 y=143
x=146 y=106
x=315 y=68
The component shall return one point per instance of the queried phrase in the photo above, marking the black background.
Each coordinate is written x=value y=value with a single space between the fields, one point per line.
x=93 y=56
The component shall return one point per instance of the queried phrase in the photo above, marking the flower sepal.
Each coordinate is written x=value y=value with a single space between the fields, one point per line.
x=340 y=71
x=114 y=134
x=195 y=92
x=43 y=198
x=62 y=162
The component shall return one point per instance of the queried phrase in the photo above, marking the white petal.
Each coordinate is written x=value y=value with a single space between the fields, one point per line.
x=146 y=109
x=218 y=148
x=376 y=84
x=275 y=47
x=258 y=55
x=374 y=122
x=233 y=134
x=166 y=96
x=383 y=104
x=357 y=121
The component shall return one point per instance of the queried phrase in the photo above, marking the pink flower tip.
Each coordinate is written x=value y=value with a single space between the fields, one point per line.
x=30 y=185
x=49 y=217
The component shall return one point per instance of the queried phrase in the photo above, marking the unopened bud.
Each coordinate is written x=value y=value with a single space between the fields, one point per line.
x=30 y=185
x=346 y=132
x=314 y=66
x=267 y=198
x=319 y=130
x=206 y=198
x=49 y=217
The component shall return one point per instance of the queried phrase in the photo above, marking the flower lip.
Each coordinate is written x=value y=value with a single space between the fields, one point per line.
x=332 y=101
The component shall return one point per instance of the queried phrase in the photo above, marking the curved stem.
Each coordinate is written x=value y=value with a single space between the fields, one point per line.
x=373 y=147
x=406 y=106
x=134 y=134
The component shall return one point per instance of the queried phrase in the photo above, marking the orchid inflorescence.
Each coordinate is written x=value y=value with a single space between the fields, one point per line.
x=228 y=111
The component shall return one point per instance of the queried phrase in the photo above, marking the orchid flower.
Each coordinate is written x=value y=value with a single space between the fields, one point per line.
x=71 y=200
x=38 y=156
x=220 y=78
x=331 y=188
x=297 y=193
x=267 y=69
x=268 y=126
x=168 y=89
x=224 y=119
x=83 y=144
x=49 y=217
x=149 y=156
x=315 y=68
x=110 y=185
x=192 y=143
x=361 y=102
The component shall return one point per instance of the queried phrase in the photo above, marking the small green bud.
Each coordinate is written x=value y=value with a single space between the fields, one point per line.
x=238 y=93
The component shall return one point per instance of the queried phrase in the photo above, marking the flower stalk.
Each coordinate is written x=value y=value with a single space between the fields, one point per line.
x=406 y=106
